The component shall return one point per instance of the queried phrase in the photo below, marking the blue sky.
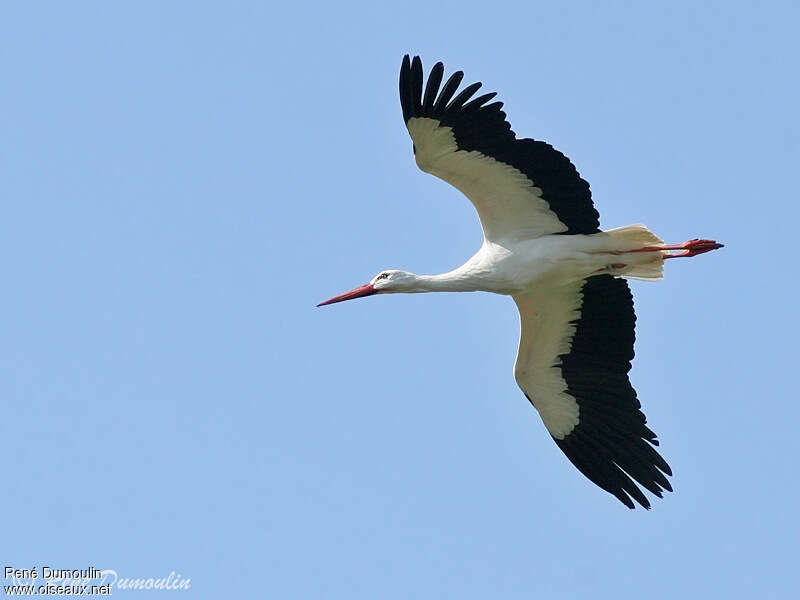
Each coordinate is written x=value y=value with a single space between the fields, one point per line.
x=183 y=182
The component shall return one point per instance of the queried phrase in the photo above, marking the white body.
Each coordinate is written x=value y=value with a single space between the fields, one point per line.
x=517 y=266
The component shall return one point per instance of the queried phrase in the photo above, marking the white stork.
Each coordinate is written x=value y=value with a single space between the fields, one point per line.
x=543 y=247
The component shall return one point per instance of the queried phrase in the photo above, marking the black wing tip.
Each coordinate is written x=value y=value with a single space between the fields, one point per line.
x=619 y=469
x=434 y=101
x=432 y=87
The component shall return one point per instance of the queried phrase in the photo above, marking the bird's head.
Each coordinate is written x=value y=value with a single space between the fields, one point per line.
x=385 y=282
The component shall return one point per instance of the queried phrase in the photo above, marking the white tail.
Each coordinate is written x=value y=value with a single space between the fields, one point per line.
x=647 y=266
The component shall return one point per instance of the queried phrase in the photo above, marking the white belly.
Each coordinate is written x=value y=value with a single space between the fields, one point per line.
x=545 y=260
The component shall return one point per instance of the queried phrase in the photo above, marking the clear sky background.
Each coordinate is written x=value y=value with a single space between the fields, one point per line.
x=182 y=182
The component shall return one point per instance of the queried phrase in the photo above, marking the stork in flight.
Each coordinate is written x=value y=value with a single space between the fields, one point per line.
x=543 y=247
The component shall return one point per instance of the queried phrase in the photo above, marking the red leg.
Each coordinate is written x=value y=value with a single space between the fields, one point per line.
x=690 y=248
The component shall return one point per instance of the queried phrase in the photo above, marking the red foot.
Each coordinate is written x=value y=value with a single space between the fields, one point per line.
x=694 y=247
x=690 y=248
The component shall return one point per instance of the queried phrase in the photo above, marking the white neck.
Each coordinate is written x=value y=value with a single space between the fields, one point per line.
x=453 y=281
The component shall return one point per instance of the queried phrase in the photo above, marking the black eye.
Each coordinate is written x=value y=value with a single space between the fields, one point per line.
x=383 y=276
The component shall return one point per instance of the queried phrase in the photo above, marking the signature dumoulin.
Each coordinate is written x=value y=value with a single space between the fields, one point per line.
x=79 y=578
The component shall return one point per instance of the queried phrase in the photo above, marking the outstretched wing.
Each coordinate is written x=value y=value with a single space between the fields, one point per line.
x=521 y=188
x=575 y=352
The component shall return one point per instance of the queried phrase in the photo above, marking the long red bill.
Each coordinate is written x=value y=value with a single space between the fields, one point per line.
x=360 y=291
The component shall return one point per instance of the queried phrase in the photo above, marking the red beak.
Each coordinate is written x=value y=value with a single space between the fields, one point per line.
x=362 y=290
